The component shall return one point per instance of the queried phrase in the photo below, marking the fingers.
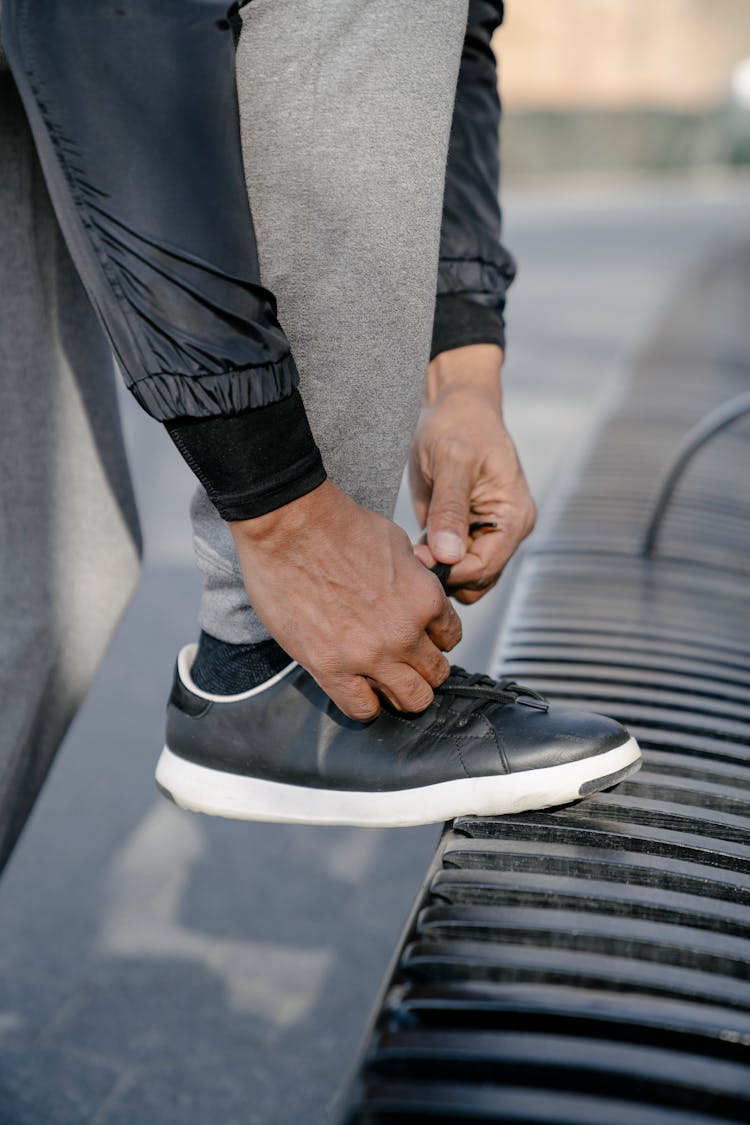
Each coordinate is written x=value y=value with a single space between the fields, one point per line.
x=354 y=696
x=405 y=689
x=468 y=597
x=408 y=683
x=431 y=664
x=448 y=517
x=483 y=564
x=406 y=686
x=409 y=687
x=444 y=628
x=424 y=554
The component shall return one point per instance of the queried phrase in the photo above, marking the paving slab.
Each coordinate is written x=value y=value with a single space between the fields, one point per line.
x=158 y=968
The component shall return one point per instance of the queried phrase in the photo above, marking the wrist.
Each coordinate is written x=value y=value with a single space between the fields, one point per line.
x=287 y=522
x=476 y=368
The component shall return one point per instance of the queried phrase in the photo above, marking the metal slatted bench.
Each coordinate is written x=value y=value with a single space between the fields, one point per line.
x=592 y=964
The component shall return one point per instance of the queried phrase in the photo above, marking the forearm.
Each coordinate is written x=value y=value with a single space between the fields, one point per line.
x=135 y=116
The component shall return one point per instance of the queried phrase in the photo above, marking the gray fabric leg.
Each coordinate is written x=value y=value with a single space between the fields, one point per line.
x=346 y=111
x=69 y=538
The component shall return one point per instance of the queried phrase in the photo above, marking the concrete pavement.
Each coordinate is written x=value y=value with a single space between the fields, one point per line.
x=158 y=968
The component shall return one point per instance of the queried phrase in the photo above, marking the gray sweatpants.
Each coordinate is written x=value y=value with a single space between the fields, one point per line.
x=346 y=110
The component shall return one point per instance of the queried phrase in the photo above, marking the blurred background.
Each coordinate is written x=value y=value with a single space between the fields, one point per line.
x=158 y=968
x=616 y=86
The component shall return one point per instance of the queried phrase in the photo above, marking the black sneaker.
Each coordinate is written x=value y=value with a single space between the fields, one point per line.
x=284 y=752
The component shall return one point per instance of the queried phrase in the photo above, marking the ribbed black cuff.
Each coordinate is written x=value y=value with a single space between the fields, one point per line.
x=460 y=321
x=254 y=462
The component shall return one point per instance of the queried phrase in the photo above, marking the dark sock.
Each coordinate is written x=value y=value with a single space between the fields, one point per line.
x=225 y=669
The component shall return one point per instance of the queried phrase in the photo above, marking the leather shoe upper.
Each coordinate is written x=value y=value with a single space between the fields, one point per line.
x=291 y=732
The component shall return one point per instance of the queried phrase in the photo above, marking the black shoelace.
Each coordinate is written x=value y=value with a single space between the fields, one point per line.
x=484 y=689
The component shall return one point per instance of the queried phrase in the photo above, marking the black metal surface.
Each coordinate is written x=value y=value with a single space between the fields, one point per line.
x=592 y=963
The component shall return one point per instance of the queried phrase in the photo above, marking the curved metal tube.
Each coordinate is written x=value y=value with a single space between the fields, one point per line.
x=707 y=428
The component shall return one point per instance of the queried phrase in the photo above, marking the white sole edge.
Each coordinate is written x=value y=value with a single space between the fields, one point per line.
x=200 y=789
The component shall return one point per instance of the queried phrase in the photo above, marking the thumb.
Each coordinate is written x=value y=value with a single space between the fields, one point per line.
x=448 y=515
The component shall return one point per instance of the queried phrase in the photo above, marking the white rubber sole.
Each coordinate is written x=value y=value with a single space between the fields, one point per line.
x=211 y=791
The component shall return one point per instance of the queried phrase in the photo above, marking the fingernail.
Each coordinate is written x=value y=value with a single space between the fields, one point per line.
x=447 y=546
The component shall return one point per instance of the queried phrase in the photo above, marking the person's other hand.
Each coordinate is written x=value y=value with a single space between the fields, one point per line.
x=341 y=591
x=464 y=470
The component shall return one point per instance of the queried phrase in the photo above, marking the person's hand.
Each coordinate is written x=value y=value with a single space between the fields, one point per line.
x=341 y=591
x=464 y=470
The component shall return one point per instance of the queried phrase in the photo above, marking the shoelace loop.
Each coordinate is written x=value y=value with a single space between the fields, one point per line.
x=483 y=688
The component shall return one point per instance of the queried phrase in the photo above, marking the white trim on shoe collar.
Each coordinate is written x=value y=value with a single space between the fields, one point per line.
x=185 y=663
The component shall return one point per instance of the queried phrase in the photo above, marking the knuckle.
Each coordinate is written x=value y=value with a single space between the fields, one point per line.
x=429 y=603
x=456 y=452
x=450 y=638
x=437 y=602
x=408 y=638
x=402 y=540
x=359 y=655
x=362 y=712
x=403 y=680
x=450 y=507
x=328 y=666
x=419 y=699
x=367 y=656
x=454 y=621
x=361 y=704
x=439 y=669
x=412 y=690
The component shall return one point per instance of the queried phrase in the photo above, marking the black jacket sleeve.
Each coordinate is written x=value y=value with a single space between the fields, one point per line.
x=133 y=107
x=475 y=269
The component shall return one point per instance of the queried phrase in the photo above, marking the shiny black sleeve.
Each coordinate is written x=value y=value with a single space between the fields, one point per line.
x=134 y=111
x=475 y=269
